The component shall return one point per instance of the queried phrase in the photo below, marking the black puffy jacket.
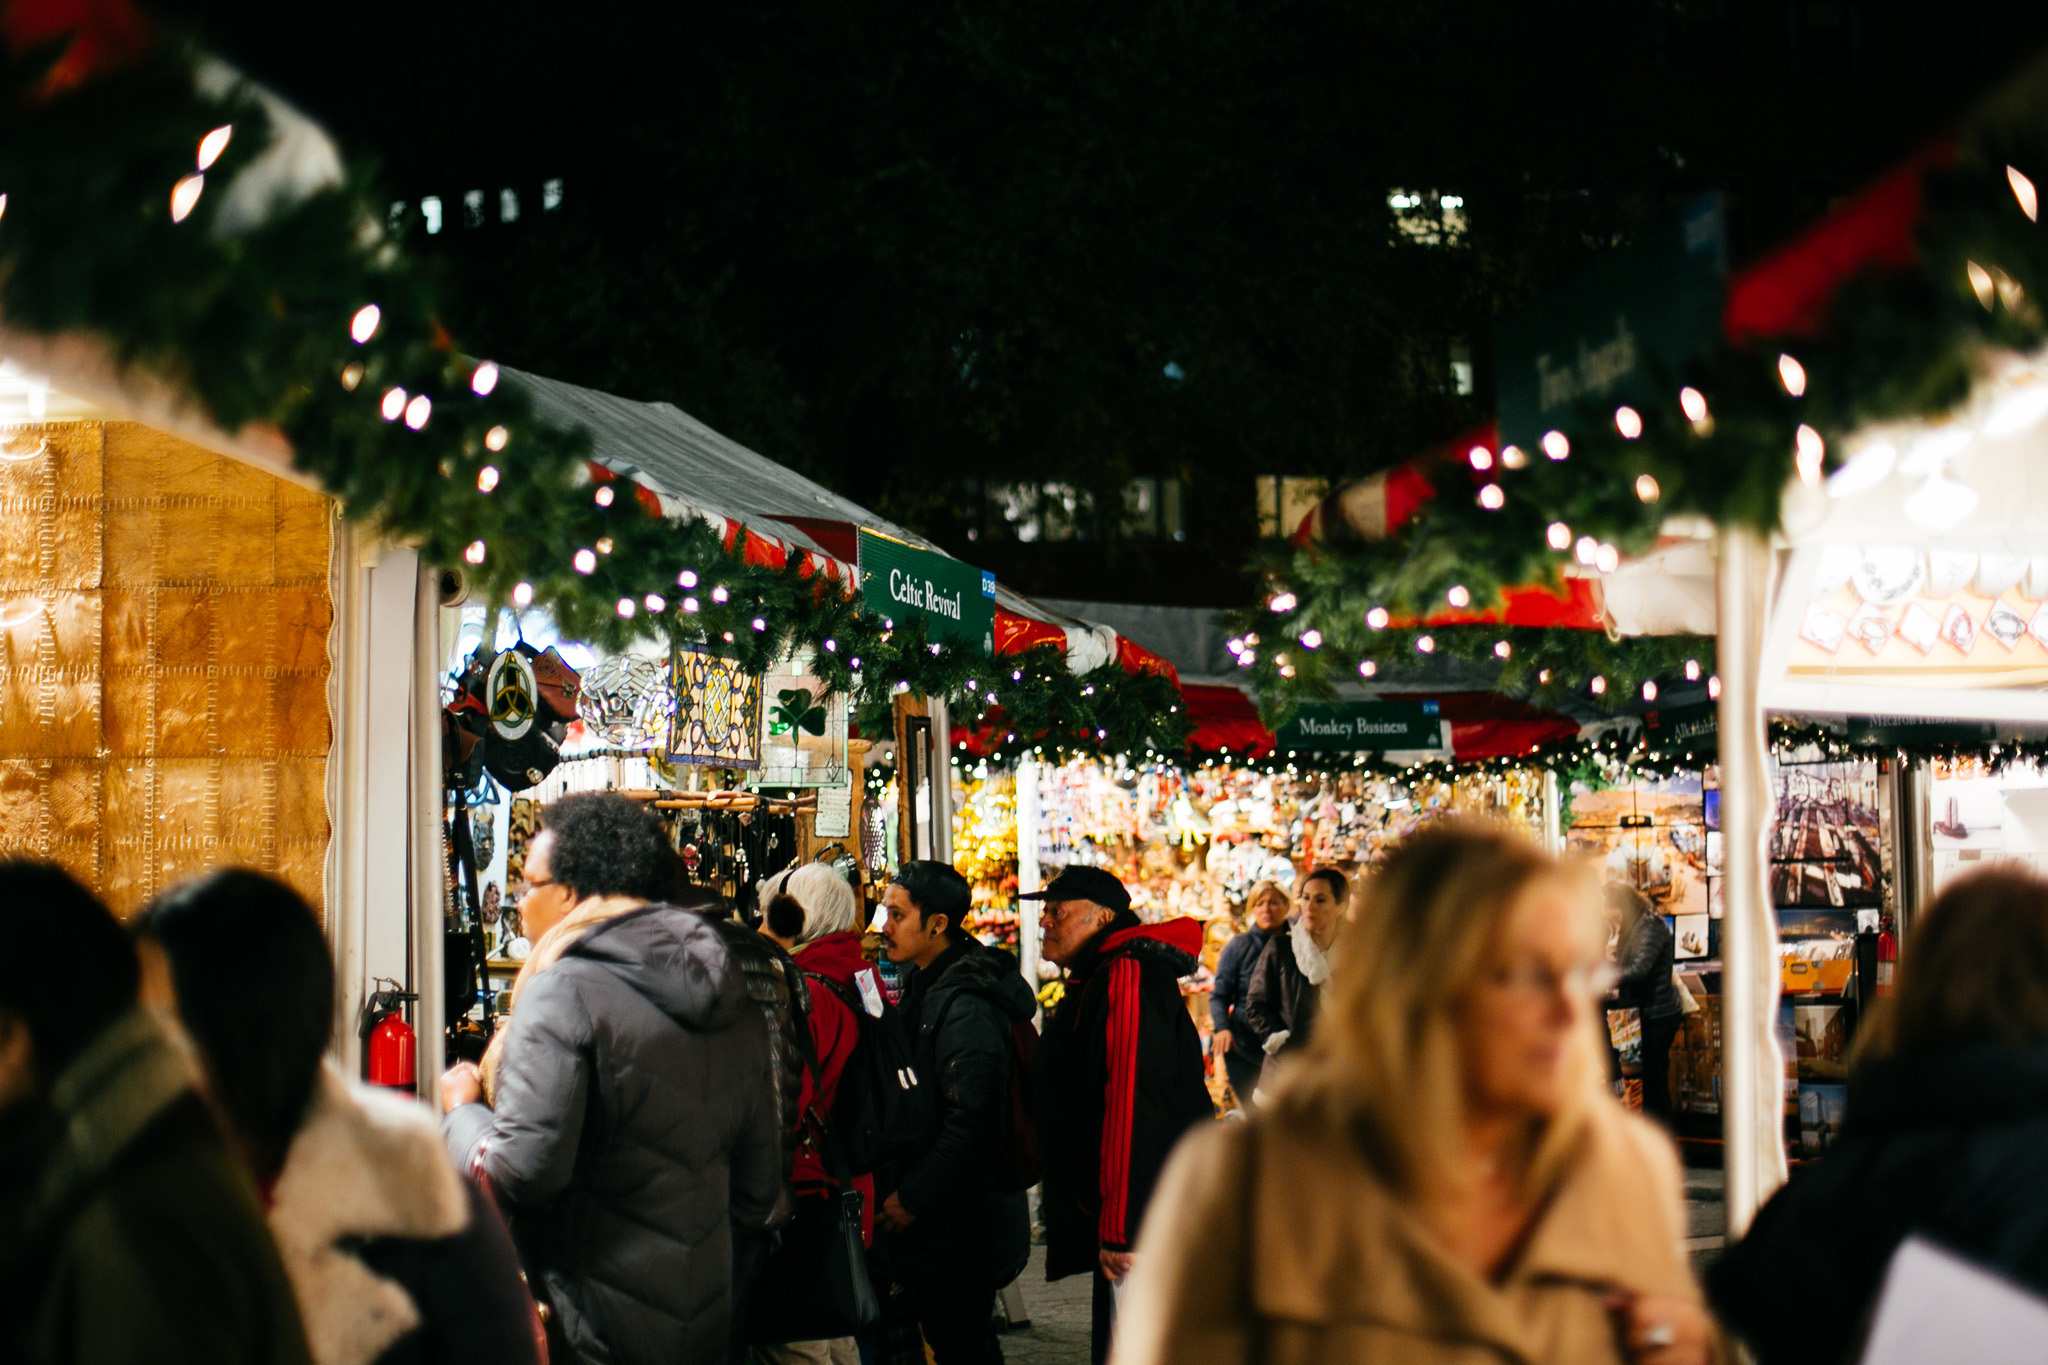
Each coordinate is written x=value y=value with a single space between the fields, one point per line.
x=1953 y=1146
x=1281 y=998
x=968 y=1234
x=1119 y=1079
x=636 y=1129
x=1647 y=952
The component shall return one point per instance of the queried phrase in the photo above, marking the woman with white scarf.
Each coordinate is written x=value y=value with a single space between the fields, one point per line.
x=1288 y=982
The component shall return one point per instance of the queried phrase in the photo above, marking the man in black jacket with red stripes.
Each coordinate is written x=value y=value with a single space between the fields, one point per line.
x=1118 y=1076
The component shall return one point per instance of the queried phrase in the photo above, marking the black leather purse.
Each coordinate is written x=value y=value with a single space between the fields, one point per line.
x=815 y=1285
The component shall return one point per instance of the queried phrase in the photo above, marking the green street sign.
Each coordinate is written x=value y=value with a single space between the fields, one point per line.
x=1908 y=731
x=1696 y=725
x=1617 y=331
x=957 y=601
x=1363 y=725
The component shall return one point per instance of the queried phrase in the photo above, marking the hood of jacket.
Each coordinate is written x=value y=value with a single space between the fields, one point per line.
x=675 y=959
x=1972 y=1087
x=836 y=957
x=990 y=973
x=1176 y=943
x=364 y=1165
x=106 y=1097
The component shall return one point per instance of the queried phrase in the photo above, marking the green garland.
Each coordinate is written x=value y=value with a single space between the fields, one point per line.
x=254 y=322
x=1895 y=344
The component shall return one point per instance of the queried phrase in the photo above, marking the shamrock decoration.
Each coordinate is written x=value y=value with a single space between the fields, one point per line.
x=796 y=708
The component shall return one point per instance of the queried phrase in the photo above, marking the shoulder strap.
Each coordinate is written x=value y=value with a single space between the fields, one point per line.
x=819 y=1130
x=845 y=995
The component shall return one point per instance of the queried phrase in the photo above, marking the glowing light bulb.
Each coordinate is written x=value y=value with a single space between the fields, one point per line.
x=1284 y=602
x=1649 y=691
x=1693 y=404
x=1811 y=450
x=1692 y=670
x=1598 y=687
x=1377 y=618
x=1982 y=285
x=1714 y=687
x=363 y=325
x=1367 y=669
x=495 y=438
x=1426 y=643
x=2023 y=190
x=1310 y=639
x=1459 y=595
x=393 y=406
x=718 y=593
x=1559 y=536
x=1492 y=498
x=1792 y=375
x=1606 y=559
x=487 y=478
x=418 y=411
x=627 y=606
x=213 y=144
x=185 y=196
x=1481 y=458
x=585 y=561
x=1628 y=422
x=484 y=379
x=475 y=553
x=522 y=594
x=760 y=624
x=352 y=375
x=1585 y=549
x=604 y=545
x=655 y=603
x=690 y=605
x=687 y=579
x=1556 y=445
x=1502 y=649
x=1513 y=457
x=604 y=495
x=1647 y=489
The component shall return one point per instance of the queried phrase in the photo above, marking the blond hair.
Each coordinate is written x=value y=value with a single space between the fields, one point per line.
x=1251 y=901
x=1384 y=1062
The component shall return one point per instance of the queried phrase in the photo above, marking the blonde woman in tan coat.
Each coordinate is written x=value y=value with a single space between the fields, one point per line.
x=1442 y=1177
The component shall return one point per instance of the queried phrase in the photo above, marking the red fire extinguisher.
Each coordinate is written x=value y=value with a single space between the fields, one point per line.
x=390 y=1048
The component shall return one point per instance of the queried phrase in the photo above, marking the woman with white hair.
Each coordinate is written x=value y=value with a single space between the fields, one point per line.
x=813 y=912
x=1442 y=1177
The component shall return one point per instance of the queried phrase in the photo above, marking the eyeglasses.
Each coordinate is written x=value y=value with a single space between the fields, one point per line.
x=1536 y=979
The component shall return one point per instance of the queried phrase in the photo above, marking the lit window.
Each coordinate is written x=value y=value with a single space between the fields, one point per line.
x=1428 y=218
x=430 y=209
x=508 y=206
x=472 y=208
x=551 y=194
x=1285 y=500
x=395 y=220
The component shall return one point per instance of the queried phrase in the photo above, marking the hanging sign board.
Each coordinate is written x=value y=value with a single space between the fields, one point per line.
x=1694 y=727
x=956 y=601
x=1363 y=725
x=1905 y=732
x=1617 y=333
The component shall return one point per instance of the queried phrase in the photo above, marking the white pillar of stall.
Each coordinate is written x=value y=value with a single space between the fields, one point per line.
x=1028 y=878
x=1553 y=815
x=1752 y=1100
x=429 y=851
x=942 y=780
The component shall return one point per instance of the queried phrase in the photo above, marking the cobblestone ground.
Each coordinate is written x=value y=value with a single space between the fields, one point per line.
x=1058 y=1334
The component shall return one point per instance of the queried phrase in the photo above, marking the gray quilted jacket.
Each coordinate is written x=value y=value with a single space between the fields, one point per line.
x=636 y=1130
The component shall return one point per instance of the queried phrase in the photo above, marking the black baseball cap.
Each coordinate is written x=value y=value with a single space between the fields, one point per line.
x=1083 y=884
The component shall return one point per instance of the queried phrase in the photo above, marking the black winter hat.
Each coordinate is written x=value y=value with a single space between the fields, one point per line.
x=1079 y=883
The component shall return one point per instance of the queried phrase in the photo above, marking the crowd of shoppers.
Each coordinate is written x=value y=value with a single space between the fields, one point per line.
x=1439 y=1171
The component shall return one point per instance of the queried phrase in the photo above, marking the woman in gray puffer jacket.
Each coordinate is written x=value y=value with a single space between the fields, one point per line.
x=633 y=1123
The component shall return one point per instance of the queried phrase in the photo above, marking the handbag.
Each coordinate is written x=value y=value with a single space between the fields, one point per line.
x=815 y=1286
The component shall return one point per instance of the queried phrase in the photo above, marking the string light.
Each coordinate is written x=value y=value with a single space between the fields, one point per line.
x=1649 y=691
x=1284 y=602
x=1714 y=687
x=585 y=562
x=655 y=603
x=487 y=478
x=1559 y=536
x=604 y=545
x=627 y=606
x=1598 y=687
x=393 y=406
x=1502 y=649
x=1694 y=404
x=1426 y=643
x=718 y=593
x=1606 y=558
x=690 y=605
x=1792 y=375
x=185 y=195
x=352 y=375
x=1377 y=618
x=475 y=553
x=1647 y=489
x=1692 y=670
x=495 y=438
x=1481 y=458
x=1981 y=285
x=1628 y=422
x=1492 y=498
x=484 y=379
x=1367 y=669
x=1310 y=639
x=1459 y=596
x=2023 y=190
x=604 y=495
x=1586 y=550
x=687 y=579
x=418 y=411
x=213 y=144
x=1513 y=457
x=363 y=325
x=1556 y=445
x=522 y=594
x=1811 y=451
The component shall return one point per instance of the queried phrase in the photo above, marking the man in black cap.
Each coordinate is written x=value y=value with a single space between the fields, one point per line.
x=1119 y=1076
